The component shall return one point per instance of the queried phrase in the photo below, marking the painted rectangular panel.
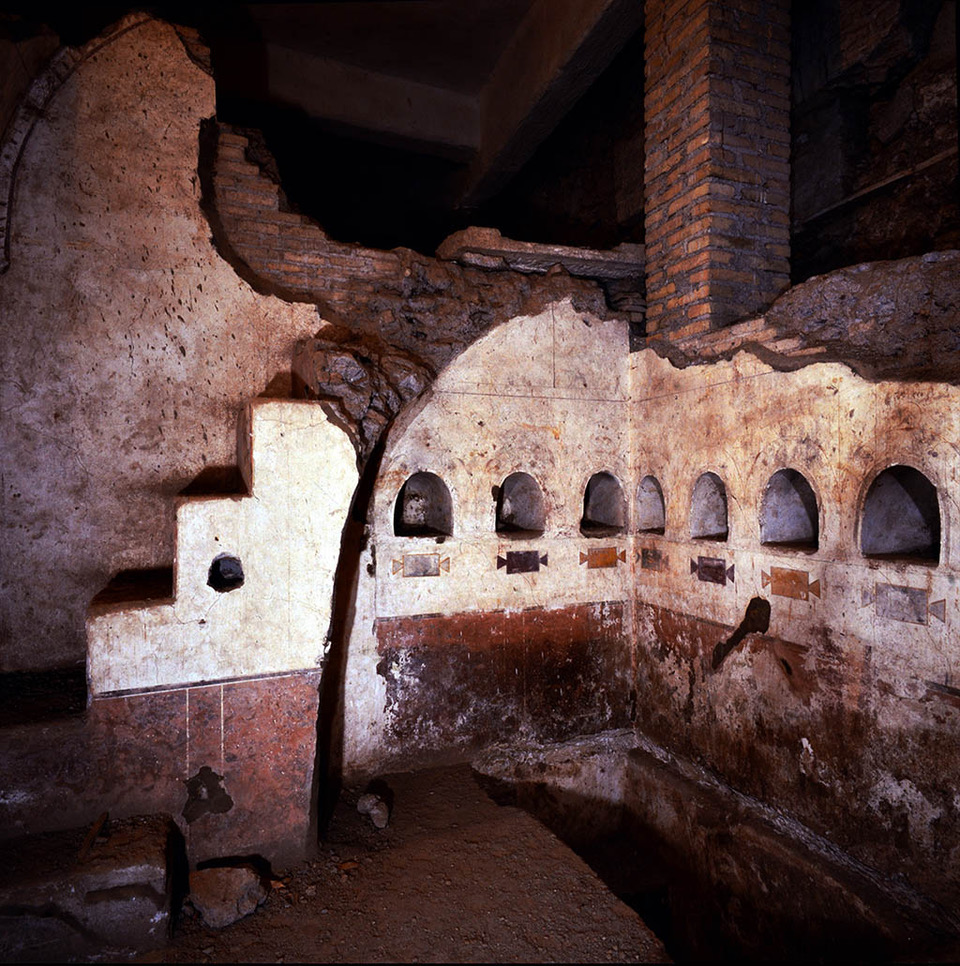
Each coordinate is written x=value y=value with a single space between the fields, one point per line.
x=899 y=603
x=421 y=565
x=787 y=582
x=523 y=561
x=597 y=557
x=712 y=570
x=651 y=559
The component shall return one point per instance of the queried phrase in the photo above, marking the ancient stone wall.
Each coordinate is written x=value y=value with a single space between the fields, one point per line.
x=129 y=344
x=808 y=666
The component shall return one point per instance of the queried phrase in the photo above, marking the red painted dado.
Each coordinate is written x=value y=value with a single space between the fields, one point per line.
x=458 y=682
x=136 y=753
x=231 y=729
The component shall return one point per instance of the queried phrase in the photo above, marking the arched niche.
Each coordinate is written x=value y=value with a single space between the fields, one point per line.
x=901 y=516
x=604 y=506
x=651 y=515
x=423 y=508
x=520 y=506
x=708 y=509
x=788 y=512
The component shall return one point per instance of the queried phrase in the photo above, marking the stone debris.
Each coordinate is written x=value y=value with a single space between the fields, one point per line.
x=375 y=807
x=224 y=895
x=87 y=892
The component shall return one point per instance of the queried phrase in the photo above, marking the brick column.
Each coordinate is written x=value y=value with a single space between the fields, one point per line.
x=717 y=175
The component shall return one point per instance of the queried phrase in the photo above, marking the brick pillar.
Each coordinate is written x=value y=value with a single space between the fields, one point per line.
x=717 y=175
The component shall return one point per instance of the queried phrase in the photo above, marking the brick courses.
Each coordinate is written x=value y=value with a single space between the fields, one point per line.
x=283 y=248
x=401 y=299
x=717 y=176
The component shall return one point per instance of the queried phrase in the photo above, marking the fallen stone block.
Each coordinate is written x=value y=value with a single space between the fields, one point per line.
x=81 y=892
x=223 y=895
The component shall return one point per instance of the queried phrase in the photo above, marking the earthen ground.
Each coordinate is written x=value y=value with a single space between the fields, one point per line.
x=453 y=878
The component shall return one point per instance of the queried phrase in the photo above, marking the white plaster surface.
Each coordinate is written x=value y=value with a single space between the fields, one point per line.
x=129 y=346
x=560 y=398
x=287 y=537
x=744 y=421
x=545 y=395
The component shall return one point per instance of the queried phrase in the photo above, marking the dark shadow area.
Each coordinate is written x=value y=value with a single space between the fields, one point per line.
x=130 y=585
x=216 y=481
x=360 y=191
x=627 y=864
x=874 y=133
x=696 y=920
x=584 y=184
x=30 y=697
x=328 y=768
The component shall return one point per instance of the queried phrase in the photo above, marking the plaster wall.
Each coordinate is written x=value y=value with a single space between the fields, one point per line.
x=842 y=711
x=129 y=345
x=286 y=535
x=544 y=395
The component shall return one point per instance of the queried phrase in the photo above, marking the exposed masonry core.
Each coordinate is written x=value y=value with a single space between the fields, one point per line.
x=901 y=516
x=789 y=513
x=206 y=795
x=604 y=508
x=651 y=515
x=717 y=103
x=708 y=509
x=424 y=508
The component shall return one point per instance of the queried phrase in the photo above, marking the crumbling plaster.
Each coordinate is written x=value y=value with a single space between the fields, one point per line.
x=129 y=344
x=840 y=712
x=543 y=394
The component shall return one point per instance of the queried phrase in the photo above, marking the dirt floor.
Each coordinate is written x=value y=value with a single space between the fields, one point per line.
x=453 y=878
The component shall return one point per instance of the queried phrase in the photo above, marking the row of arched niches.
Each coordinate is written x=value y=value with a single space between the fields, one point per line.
x=900 y=515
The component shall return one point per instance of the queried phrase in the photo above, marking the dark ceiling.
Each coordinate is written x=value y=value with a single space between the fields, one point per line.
x=393 y=122
x=454 y=46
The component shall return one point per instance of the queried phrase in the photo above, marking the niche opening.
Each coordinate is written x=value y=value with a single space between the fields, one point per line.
x=651 y=516
x=225 y=574
x=604 y=507
x=423 y=508
x=901 y=516
x=788 y=513
x=708 y=509
x=520 y=506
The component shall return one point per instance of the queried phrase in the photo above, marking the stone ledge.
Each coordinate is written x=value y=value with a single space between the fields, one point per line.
x=487 y=248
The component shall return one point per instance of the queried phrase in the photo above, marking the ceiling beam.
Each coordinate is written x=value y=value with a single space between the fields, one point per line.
x=384 y=107
x=557 y=52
